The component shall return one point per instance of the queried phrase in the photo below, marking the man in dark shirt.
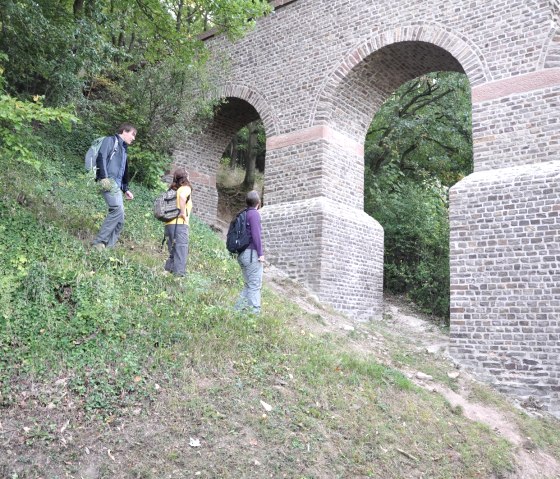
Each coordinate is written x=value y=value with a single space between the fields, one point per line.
x=112 y=176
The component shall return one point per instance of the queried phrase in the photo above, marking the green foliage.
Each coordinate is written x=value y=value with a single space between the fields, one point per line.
x=424 y=130
x=237 y=152
x=414 y=217
x=59 y=49
x=148 y=167
x=418 y=145
x=18 y=117
x=50 y=52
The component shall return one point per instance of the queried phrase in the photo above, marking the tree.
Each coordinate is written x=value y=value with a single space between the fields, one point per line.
x=250 y=165
x=75 y=40
x=424 y=129
x=247 y=150
x=16 y=119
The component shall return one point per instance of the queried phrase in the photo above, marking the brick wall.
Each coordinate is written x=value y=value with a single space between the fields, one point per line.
x=320 y=242
x=517 y=129
x=505 y=286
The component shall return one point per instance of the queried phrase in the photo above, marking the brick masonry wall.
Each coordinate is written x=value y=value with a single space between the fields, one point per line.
x=315 y=168
x=306 y=42
x=505 y=270
x=324 y=238
x=517 y=129
x=316 y=71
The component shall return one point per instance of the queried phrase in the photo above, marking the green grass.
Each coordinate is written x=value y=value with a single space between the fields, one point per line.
x=108 y=344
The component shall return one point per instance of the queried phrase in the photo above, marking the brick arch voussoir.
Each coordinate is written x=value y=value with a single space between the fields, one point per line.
x=464 y=51
x=257 y=100
x=550 y=55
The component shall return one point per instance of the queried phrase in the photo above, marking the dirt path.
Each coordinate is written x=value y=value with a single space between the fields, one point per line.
x=531 y=462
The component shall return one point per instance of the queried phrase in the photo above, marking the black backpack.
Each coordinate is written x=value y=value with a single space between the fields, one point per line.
x=238 y=236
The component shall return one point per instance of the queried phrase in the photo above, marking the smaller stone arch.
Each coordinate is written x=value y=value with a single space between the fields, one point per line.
x=200 y=151
x=464 y=52
x=257 y=100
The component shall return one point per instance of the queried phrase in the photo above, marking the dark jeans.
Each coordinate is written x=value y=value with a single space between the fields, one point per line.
x=178 y=246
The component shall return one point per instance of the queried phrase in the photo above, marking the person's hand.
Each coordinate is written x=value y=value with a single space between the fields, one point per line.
x=184 y=216
x=261 y=259
x=128 y=195
x=106 y=184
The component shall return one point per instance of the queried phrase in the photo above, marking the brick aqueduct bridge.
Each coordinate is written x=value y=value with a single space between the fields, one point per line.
x=316 y=72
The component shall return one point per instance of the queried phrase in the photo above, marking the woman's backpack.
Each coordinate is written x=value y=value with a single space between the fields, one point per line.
x=165 y=206
x=238 y=236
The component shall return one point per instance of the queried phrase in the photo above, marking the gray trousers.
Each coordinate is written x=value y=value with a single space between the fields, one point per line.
x=178 y=252
x=252 y=269
x=114 y=221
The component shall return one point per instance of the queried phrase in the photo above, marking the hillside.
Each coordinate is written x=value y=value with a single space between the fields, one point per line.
x=110 y=368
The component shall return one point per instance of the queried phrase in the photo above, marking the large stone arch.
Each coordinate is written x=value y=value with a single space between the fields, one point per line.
x=257 y=100
x=462 y=55
x=358 y=85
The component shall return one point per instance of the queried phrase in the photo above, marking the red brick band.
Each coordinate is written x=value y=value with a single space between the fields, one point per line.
x=202 y=179
x=307 y=135
x=518 y=84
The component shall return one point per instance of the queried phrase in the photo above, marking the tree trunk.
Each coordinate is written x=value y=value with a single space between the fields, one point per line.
x=78 y=8
x=233 y=152
x=250 y=164
x=90 y=8
x=179 y=15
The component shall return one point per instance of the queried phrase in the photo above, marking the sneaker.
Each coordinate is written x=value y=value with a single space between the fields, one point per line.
x=99 y=246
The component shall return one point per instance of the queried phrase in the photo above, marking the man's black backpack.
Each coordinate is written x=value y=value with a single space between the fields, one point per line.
x=238 y=236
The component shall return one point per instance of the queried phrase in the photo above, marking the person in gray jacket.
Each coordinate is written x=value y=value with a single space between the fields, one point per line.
x=112 y=177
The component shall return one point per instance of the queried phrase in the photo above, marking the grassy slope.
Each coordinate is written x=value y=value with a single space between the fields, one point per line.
x=109 y=367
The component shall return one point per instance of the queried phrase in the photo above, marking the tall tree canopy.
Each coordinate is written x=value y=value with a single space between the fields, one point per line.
x=424 y=130
x=54 y=47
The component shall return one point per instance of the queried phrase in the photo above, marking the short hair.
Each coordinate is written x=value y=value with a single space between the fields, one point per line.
x=252 y=199
x=126 y=127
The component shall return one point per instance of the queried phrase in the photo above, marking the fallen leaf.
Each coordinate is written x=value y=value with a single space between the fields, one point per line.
x=266 y=406
x=421 y=375
x=63 y=428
